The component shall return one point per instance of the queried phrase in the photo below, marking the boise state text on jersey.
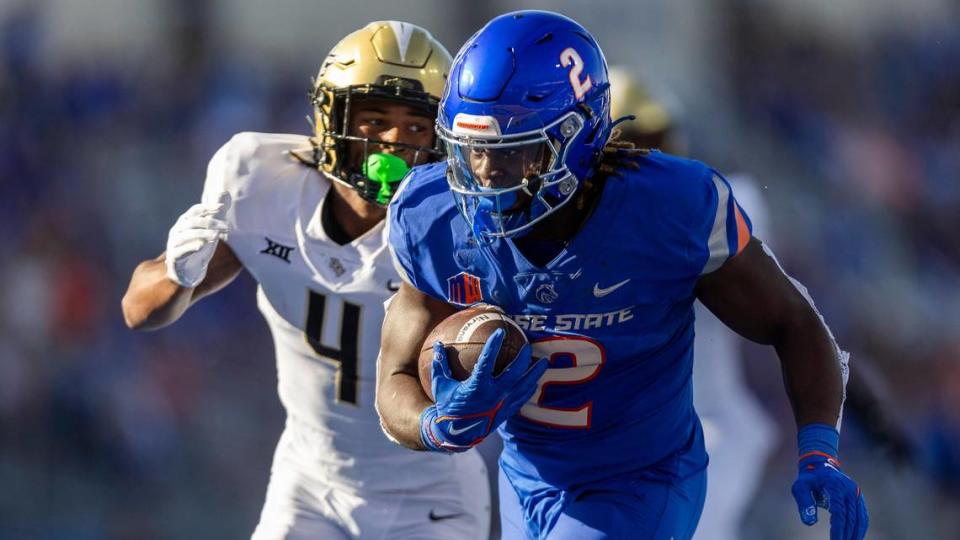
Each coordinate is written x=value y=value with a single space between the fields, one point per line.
x=612 y=312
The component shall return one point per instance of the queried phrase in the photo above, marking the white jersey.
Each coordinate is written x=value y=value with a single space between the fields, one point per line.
x=324 y=304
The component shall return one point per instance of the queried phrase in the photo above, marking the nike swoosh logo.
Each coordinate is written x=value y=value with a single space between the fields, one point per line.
x=600 y=293
x=455 y=431
x=440 y=517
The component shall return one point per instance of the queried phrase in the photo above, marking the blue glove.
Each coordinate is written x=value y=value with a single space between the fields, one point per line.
x=820 y=483
x=466 y=412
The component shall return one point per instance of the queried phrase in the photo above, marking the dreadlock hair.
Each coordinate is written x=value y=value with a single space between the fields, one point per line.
x=619 y=154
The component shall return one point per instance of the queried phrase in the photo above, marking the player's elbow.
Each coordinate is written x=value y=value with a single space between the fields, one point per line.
x=385 y=407
x=132 y=304
x=384 y=422
x=143 y=310
x=399 y=423
x=134 y=316
x=138 y=315
x=152 y=301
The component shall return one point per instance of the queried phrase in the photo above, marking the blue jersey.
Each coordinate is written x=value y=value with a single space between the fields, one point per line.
x=613 y=312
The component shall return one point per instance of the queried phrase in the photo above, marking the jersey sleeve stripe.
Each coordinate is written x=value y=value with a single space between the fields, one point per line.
x=717 y=243
x=743 y=230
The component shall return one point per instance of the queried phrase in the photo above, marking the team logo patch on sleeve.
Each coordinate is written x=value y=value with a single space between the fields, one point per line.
x=464 y=289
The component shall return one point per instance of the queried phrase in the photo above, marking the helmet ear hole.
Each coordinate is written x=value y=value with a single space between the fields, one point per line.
x=318 y=98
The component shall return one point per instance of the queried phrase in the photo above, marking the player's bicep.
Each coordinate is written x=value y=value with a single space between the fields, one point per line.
x=410 y=316
x=751 y=294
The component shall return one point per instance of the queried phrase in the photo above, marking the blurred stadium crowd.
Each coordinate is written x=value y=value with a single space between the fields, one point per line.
x=109 y=434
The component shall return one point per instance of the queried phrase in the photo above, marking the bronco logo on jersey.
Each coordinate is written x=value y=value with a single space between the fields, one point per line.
x=464 y=289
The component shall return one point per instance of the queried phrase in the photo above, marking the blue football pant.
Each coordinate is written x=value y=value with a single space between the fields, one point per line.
x=635 y=510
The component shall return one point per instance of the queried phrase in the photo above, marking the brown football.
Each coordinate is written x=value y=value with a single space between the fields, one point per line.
x=463 y=335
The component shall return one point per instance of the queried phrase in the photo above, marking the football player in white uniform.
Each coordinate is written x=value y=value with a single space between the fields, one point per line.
x=304 y=215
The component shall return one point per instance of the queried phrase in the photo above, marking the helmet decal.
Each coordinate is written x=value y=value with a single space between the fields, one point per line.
x=471 y=124
x=403 y=32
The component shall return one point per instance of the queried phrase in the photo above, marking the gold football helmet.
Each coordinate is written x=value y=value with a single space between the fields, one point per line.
x=655 y=124
x=390 y=60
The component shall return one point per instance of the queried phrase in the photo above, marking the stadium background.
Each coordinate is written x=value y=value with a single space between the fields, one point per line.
x=847 y=112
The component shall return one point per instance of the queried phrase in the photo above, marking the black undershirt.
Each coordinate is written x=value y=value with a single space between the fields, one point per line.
x=330 y=224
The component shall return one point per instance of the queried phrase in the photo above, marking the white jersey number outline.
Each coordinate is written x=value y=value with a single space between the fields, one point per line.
x=347 y=357
x=587 y=357
x=568 y=56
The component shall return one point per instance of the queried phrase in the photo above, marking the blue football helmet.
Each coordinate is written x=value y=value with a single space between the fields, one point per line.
x=524 y=118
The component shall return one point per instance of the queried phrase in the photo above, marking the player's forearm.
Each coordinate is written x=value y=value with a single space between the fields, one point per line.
x=751 y=294
x=400 y=402
x=811 y=369
x=152 y=300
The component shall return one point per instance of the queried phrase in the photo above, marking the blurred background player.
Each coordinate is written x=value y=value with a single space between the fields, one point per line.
x=304 y=215
x=734 y=422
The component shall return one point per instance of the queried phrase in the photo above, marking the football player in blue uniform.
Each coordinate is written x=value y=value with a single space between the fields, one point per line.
x=598 y=252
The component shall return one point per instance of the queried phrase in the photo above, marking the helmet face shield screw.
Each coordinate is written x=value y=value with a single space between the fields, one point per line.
x=567 y=185
x=568 y=127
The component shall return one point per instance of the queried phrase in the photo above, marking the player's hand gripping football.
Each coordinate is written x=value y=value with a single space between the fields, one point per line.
x=192 y=241
x=821 y=483
x=467 y=411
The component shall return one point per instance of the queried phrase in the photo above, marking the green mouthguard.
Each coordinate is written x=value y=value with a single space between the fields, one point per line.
x=386 y=169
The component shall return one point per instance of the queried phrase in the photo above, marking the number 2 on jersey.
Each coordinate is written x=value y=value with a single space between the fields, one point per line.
x=586 y=357
x=347 y=356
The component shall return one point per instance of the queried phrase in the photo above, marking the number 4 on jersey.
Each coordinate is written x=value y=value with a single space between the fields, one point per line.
x=346 y=358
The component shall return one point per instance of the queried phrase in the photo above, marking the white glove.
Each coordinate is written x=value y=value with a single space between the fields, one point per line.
x=192 y=241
